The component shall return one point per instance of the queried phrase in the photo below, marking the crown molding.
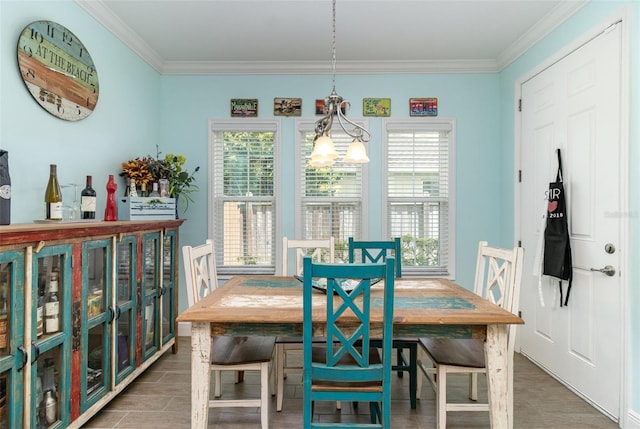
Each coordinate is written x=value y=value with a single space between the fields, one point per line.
x=321 y=67
x=114 y=24
x=546 y=25
x=130 y=38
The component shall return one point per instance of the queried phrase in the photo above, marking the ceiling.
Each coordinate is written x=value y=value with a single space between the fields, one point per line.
x=295 y=37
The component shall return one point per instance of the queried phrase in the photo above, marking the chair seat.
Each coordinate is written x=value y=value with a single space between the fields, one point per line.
x=238 y=350
x=468 y=353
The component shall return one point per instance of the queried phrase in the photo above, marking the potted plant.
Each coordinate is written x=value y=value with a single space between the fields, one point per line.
x=141 y=173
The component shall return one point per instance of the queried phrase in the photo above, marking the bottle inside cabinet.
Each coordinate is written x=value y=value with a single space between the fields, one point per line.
x=48 y=391
x=48 y=297
x=40 y=311
x=52 y=306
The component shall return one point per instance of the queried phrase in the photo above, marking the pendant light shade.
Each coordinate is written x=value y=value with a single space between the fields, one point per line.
x=356 y=154
x=323 y=148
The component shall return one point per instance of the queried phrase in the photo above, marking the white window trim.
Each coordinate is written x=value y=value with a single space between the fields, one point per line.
x=246 y=124
x=424 y=124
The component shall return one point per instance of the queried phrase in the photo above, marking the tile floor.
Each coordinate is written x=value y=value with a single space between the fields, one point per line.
x=160 y=398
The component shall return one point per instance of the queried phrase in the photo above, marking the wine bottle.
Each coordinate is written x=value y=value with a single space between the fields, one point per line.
x=50 y=407
x=40 y=313
x=53 y=196
x=52 y=306
x=88 y=201
x=154 y=192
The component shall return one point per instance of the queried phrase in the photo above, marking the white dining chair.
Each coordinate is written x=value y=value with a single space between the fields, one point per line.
x=228 y=353
x=321 y=250
x=498 y=275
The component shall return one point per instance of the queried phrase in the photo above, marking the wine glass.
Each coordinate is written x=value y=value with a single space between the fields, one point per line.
x=70 y=211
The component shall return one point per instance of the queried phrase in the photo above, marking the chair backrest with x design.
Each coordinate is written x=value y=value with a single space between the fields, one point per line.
x=320 y=250
x=376 y=251
x=348 y=372
x=498 y=275
x=200 y=271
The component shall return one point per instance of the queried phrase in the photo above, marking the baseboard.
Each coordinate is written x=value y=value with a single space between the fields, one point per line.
x=184 y=329
x=632 y=421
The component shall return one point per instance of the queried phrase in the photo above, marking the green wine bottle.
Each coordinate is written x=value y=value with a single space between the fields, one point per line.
x=53 y=196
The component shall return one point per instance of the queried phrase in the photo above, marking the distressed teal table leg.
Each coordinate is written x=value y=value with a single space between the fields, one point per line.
x=499 y=379
x=200 y=359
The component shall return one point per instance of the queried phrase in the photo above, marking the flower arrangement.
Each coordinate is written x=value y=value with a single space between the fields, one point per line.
x=147 y=170
x=137 y=170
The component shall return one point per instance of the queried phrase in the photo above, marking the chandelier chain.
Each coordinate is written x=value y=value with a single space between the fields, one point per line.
x=333 y=50
x=335 y=103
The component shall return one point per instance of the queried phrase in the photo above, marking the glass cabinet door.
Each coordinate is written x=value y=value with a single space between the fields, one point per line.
x=51 y=354
x=168 y=286
x=150 y=294
x=97 y=316
x=12 y=353
x=126 y=298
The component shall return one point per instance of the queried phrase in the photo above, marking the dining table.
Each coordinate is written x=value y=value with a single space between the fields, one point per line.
x=423 y=307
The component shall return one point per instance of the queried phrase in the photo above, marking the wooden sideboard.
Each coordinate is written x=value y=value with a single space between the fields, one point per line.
x=85 y=308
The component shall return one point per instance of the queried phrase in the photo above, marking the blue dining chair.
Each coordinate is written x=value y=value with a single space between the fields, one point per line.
x=379 y=251
x=376 y=251
x=347 y=367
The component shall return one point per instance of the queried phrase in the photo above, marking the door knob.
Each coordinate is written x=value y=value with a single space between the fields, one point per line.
x=608 y=270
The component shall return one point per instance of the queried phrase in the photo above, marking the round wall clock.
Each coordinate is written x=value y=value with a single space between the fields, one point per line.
x=58 y=70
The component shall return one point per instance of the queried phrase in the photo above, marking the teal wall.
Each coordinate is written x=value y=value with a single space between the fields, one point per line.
x=472 y=99
x=123 y=125
x=139 y=109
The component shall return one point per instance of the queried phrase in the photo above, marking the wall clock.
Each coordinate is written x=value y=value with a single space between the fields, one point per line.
x=58 y=70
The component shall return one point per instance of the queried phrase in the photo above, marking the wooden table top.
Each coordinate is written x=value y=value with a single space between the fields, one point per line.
x=278 y=300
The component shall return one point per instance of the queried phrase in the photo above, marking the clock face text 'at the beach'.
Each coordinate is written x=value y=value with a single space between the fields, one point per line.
x=58 y=70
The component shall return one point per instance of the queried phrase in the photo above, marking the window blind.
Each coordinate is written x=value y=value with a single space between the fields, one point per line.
x=330 y=198
x=243 y=169
x=418 y=185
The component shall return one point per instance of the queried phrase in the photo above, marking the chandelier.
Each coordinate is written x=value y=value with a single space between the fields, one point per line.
x=324 y=152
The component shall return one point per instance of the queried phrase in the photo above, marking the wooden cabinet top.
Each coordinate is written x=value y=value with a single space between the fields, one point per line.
x=27 y=233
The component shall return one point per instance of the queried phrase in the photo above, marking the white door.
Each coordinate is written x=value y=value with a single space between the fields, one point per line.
x=574 y=105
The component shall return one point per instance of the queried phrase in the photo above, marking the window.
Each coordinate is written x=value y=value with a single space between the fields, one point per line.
x=242 y=184
x=419 y=192
x=330 y=200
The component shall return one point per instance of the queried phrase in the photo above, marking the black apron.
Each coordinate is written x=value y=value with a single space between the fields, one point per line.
x=557 y=248
x=5 y=189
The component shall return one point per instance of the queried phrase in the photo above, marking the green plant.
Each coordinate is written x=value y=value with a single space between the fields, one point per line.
x=181 y=182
